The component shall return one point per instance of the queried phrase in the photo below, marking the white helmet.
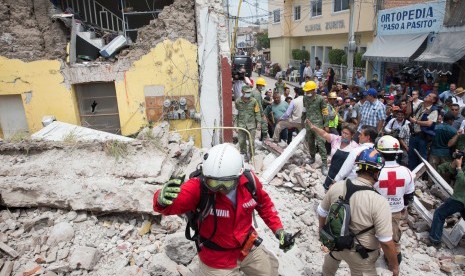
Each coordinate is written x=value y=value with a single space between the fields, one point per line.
x=388 y=144
x=223 y=161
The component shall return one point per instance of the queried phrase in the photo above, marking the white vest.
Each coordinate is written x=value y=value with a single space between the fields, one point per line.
x=296 y=116
x=394 y=182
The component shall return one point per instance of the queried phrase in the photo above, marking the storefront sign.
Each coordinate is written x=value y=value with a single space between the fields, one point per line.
x=419 y=18
x=331 y=25
x=313 y=27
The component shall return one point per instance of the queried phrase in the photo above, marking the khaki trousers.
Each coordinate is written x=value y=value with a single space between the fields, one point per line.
x=396 y=232
x=282 y=125
x=259 y=262
x=357 y=265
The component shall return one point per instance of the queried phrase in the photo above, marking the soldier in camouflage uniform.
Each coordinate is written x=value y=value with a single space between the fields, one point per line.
x=280 y=86
x=316 y=111
x=248 y=117
x=257 y=95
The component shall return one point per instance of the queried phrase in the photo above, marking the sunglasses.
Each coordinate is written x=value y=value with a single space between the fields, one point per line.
x=228 y=183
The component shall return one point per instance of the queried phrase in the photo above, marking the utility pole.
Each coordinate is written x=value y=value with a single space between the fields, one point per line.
x=352 y=44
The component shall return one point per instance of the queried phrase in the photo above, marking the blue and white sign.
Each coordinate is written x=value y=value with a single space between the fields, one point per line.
x=419 y=18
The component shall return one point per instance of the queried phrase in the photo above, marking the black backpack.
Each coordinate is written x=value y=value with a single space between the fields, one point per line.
x=205 y=207
x=335 y=234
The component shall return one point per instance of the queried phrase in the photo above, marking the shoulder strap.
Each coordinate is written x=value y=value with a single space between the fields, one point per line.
x=251 y=185
x=351 y=189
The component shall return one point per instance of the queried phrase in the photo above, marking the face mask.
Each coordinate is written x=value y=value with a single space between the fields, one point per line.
x=347 y=105
x=247 y=95
x=309 y=94
x=345 y=140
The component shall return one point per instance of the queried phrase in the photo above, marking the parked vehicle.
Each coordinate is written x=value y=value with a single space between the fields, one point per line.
x=238 y=61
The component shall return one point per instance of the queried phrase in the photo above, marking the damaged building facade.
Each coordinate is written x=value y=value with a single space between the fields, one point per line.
x=115 y=66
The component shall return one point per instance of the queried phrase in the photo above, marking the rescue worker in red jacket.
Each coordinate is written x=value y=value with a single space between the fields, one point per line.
x=224 y=236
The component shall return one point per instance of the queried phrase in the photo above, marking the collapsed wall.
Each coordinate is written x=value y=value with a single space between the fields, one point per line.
x=28 y=33
x=175 y=21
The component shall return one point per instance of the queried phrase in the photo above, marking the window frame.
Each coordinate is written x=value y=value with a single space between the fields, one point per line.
x=341 y=10
x=320 y=2
x=276 y=12
x=294 y=12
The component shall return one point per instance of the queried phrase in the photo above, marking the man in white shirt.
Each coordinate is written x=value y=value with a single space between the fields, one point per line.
x=308 y=71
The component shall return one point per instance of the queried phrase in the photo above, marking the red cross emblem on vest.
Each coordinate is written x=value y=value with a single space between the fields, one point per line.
x=392 y=183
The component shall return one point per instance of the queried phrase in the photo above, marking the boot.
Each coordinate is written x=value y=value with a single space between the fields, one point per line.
x=324 y=169
x=312 y=160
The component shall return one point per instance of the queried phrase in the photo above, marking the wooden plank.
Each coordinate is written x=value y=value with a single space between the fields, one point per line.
x=8 y=250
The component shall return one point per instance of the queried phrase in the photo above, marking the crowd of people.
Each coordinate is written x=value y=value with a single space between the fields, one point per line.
x=370 y=137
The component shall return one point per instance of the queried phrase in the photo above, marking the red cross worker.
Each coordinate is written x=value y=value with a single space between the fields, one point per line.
x=396 y=184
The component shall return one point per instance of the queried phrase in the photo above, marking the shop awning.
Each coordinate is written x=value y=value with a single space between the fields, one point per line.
x=394 y=48
x=446 y=48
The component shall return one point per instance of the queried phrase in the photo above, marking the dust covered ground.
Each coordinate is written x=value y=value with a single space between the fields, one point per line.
x=85 y=209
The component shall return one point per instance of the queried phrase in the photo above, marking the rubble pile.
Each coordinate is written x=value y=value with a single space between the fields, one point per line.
x=28 y=33
x=76 y=209
x=175 y=21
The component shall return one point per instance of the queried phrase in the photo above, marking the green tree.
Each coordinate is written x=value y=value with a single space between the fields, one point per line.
x=335 y=56
x=262 y=40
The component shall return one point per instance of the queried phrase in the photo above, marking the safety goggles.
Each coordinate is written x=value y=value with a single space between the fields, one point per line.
x=224 y=183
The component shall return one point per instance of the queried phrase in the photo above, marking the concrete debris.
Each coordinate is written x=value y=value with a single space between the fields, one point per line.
x=175 y=21
x=7 y=268
x=84 y=257
x=28 y=33
x=8 y=250
x=179 y=249
x=62 y=232
x=111 y=228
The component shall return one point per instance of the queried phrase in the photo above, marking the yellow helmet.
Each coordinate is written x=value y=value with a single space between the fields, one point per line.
x=309 y=85
x=332 y=95
x=261 y=81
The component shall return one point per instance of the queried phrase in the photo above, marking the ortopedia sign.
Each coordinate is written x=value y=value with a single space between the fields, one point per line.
x=419 y=18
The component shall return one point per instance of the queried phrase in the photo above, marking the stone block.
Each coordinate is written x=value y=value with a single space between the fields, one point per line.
x=427 y=202
x=178 y=249
x=84 y=258
x=61 y=232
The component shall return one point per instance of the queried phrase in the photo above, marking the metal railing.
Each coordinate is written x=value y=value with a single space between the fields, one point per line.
x=95 y=13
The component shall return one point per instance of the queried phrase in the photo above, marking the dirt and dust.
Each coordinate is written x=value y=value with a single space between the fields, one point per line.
x=28 y=33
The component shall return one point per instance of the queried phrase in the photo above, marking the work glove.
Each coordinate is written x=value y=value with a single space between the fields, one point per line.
x=286 y=240
x=170 y=191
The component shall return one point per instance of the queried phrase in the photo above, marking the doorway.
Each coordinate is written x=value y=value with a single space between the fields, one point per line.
x=98 y=106
x=12 y=116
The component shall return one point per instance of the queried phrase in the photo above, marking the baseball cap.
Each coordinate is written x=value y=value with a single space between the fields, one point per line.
x=389 y=97
x=372 y=92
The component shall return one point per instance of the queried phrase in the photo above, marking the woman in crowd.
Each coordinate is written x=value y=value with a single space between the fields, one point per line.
x=330 y=78
x=341 y=145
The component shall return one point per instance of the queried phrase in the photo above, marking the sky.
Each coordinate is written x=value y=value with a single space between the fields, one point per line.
x=248 y=9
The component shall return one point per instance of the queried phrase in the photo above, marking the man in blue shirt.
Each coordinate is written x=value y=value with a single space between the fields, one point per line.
x=439 y=146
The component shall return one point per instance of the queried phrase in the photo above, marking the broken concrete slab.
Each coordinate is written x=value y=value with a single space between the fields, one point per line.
x=8 y=250
x=7 y=268
x=58 y=177
x=60 y=131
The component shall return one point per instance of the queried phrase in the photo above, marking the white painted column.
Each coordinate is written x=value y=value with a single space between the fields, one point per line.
x=213 y=44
